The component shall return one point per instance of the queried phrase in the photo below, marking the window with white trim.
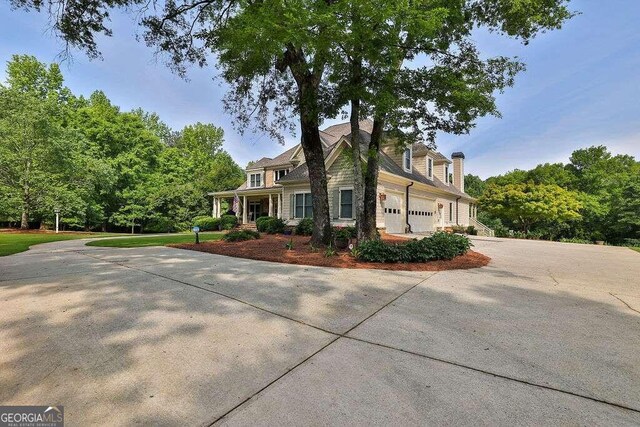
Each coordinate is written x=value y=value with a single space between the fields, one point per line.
x=446 y=174
x=255 y=180
x=279 y=174
x=346 y=203
x=450 y=212
x=303 y=207
x=429 y=168
x=406 y=159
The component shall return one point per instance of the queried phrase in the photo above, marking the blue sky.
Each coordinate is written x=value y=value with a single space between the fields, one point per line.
x=581 y=88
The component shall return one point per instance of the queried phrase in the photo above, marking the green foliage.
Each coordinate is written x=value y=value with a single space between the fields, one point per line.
x=304 y=227
x=605 y=186
x=207 y=223
x=473 y=185
x=530 y=204
x=270 y=225
x=576 y=240
x=348 y=232
x=241 y=235
x=103 y=167
x=329 y=252
x=436 y=247
x=289 y=245
x=227 y=222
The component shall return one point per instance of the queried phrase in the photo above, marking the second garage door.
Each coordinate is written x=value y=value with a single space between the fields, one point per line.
x=421 y=214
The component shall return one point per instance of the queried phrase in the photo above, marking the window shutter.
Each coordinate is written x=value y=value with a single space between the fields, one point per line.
x=336 y=204
x=292 y=205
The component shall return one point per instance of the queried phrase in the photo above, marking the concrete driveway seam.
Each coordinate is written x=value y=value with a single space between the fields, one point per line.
x=338 y=336
x=218 y=293
x=493 y=374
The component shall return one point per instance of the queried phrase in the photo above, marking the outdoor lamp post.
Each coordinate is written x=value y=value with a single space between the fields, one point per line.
x=57 y=212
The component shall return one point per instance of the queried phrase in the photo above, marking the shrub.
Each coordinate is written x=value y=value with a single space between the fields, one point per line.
x=447 y=246
x=227 y=222
x=471 y=230
x=631 y=242
x=576 y=240
x=241 y=235
x=436 y=247
x=207 y=223
x=305 y=227
x=260 y=222
x=270 y=225
x=344 y=232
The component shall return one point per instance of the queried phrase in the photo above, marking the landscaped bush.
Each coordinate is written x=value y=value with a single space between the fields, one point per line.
x=305 y=227
x=241 y=235
x=438 y=246
x=270 y=225
x=207 y=223
x=576 y=240
x=344 y=232
x=227 y=222
x=631 y=242
x=471 y=231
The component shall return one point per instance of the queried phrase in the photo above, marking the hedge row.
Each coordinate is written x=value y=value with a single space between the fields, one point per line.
x=207 y=223
x=436 y=247
x=270 y=225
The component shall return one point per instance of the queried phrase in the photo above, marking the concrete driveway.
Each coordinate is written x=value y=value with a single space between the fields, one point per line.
x=548 y=333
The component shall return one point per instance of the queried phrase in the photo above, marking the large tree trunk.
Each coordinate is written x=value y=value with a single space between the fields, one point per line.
x=369 y=227
x=314 y=157
x=358 y=183
x=308 y=80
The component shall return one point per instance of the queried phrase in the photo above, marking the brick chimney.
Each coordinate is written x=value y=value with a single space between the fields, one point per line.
x=458 y=170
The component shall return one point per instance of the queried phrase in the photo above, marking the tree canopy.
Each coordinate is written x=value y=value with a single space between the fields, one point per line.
x=104 y=168
x=603 y=185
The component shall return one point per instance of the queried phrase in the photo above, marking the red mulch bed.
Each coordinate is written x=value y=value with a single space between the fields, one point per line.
x=272 y=248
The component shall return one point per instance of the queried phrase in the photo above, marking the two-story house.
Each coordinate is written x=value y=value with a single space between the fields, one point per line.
x=419 y=190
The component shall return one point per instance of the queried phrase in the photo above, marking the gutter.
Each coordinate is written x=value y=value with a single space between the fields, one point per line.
x=457 y=210
x=406 y=214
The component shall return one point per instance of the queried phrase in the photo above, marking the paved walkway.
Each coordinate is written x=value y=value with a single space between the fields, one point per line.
x=548 y=333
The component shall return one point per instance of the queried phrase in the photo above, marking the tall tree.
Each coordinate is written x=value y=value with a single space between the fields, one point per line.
x=30 y=126
x=529 y=204
x=377 y=47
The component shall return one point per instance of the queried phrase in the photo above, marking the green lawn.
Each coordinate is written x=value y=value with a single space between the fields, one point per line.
x=12 y=243
x=136 y=242
x=637 y=249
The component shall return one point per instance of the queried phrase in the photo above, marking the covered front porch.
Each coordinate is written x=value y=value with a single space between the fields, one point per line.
x=251 y=204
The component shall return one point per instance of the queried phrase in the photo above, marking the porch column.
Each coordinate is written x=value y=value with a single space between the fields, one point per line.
x=213 y=207
x=270 y=204
x=244 y=210
x=280 y=205
x=218 y=206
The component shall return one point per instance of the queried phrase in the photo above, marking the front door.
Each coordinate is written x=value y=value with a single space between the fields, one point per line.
x=254 y=211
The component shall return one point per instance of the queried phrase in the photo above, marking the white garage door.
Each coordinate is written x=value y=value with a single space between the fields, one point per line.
x=393 y=216
x=421 y=214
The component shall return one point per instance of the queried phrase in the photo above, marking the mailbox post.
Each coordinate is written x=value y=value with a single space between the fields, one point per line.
x=57 y=212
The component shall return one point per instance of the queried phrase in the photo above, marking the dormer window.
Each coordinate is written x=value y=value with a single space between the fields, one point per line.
x=446 y=174
x=429 y=168
x=280 y=173
x=255 y=180
x=406 y=159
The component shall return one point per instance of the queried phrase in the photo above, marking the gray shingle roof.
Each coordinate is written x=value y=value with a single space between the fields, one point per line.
x=332 y=135
x=282 y=159
x=419 y=149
